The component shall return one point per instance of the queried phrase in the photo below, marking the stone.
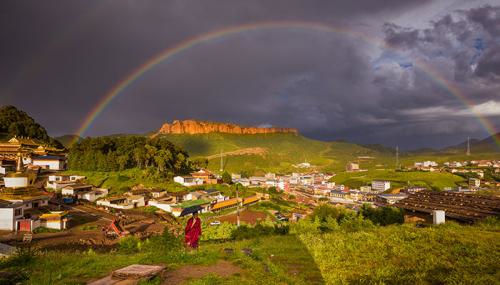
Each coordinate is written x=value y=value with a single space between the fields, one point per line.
x=203 y=127
x=130 y=275
x=247 y=251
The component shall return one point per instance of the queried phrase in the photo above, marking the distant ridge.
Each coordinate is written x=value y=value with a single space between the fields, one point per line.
x=68 y=140
x=485 y=145
x=204 y=127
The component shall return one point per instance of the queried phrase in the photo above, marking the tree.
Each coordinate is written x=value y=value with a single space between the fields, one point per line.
x=14 y=122
x=226 y=178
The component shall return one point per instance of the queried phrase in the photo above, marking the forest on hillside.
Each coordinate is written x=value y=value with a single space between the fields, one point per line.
x=14 y=122
x=119 y=153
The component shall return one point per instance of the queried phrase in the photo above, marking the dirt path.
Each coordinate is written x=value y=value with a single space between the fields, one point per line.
x=222 y=268
x=247 y=216
x=241 y=151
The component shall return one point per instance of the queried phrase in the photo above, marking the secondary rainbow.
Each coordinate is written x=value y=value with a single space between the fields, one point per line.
x=177 y=49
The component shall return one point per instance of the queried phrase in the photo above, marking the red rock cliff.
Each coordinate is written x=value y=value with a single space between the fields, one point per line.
x=201 y=127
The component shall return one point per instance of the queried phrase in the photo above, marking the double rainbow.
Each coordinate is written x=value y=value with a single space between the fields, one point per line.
x=171 y=52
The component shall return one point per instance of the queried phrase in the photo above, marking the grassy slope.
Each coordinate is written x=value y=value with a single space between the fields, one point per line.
x=283 y=150
x=399 y=179
x=119 y=181
x=449 y=254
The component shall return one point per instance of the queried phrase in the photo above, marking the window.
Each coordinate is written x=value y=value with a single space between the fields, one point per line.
x=18 y=212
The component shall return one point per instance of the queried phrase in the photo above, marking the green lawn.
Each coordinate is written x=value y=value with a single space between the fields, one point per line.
x=436 y=180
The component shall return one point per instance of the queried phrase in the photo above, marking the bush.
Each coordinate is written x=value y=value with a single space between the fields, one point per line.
x=383 y=216
x=324 y=211
x=248 y=232
x=130 y=244
x=221 y=232
x=355 y=223
x=305 y=226
x=40 y=230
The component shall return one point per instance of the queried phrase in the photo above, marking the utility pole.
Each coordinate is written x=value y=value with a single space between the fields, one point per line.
x=397 y=157
x=237 y=207
x=468 y=146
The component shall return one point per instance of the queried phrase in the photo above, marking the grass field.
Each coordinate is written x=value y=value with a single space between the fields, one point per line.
x=434 y=180
x=398 y=254
x=281 y=151
x=121 y=181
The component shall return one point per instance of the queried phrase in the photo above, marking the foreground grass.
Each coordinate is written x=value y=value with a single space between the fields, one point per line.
x=448 y=254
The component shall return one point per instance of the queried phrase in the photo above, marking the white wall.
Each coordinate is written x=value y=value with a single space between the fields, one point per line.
x=162 y=206
x=7 y=219
x=50 y=164
x=15 y=182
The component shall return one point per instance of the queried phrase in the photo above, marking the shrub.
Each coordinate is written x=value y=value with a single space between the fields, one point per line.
x=383 y=216
x=305 y=226
x=354 y=223
x=40 y=230
x=262 y=229
x=129 y=244
x=220 y=232
x=324 y=211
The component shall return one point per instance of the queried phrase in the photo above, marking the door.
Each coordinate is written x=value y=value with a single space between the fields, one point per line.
x=24 y=225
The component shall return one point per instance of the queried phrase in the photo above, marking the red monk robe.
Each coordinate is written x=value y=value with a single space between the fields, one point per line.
x=193 y=231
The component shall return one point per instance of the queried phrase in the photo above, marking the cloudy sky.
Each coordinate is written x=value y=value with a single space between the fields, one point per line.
x=391 y=76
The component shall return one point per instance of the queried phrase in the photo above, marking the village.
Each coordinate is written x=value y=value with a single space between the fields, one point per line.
x=40 y=201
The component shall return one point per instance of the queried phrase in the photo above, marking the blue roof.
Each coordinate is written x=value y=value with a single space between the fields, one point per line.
x=49 y=157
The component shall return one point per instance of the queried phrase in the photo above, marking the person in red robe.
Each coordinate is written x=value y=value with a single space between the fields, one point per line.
x=193 y=231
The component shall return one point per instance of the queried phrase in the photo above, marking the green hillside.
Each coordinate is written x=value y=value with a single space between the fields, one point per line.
x=280 y=152
x=68 y=140
x=272 y=152
x=14 y=122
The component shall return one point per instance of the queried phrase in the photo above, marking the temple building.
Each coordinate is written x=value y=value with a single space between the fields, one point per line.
x=32 y=152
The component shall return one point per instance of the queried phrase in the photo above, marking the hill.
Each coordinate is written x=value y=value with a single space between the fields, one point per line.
x=487 y=145
x=14 y=122
x=204 y=127
x=278 y=152
x=68 y=140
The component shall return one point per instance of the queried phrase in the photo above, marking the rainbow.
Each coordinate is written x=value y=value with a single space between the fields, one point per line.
x=187 y=44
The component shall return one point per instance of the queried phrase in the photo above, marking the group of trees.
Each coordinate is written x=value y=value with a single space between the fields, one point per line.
x=120 y=153
x=14 y=122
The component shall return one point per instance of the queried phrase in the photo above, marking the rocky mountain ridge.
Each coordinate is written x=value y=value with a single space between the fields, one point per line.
x=203 y=127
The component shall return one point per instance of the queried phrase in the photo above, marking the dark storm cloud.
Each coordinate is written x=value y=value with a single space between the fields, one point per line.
x=60 y=57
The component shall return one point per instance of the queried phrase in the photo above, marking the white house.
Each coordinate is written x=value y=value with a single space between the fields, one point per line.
x=93 y=195
x=126 y=202
x=74 y=190
x=51 y=162
x=158 y=193
x=243 y=181
x=163 y=204
x=16 y=181
x=192 y=196
x=427 y=163
x=188 y=180
x=10 y=213
x=54 y=220
x=365 y=188
x=379 y=185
